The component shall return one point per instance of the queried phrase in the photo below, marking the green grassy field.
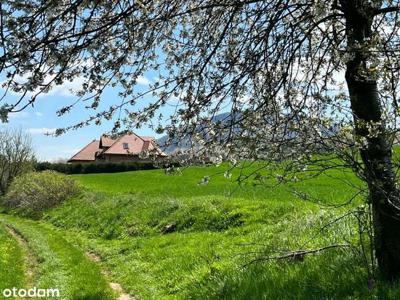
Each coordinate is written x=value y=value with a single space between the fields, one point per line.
x=167 y=237
x=331 y=188
x=12 y=268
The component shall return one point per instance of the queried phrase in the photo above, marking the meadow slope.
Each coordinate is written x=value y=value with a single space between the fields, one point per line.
x=169 y=237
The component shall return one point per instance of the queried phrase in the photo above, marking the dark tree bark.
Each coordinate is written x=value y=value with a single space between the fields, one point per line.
x=369 y=127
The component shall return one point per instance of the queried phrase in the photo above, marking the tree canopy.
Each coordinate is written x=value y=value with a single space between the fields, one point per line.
x=280 y=60
x=296 y=78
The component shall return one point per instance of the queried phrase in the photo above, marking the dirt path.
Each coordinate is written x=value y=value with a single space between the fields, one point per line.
x=49 y=259
x=113 y=285
x=30 y=258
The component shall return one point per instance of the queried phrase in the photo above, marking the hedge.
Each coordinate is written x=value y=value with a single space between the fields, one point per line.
x=104 y=167
x=35 y=192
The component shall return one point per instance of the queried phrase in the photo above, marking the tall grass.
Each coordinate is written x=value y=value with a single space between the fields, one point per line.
x=12 y=264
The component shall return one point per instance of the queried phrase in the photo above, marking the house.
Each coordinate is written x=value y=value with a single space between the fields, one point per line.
x=127 y=147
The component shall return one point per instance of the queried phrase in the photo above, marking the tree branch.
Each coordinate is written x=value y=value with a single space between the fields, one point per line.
x=297 y=255
x=387 y=10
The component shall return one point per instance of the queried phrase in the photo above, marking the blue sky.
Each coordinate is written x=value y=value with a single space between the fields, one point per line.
x=42 y=118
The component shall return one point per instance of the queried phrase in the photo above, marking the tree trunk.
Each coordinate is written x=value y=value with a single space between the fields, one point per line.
x=371 y=131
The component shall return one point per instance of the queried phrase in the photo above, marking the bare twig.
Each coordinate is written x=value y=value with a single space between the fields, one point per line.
x=296 y=255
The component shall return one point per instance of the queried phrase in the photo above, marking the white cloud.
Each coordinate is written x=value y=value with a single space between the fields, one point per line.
x=38 y=114
x=43 y=130
x=143 y=80
x=18 y=115
x=68 y=88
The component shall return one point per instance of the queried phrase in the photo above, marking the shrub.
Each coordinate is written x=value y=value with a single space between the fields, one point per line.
x=37 y=191
x=103 y=167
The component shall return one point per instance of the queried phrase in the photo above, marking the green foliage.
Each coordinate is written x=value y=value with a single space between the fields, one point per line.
x=104 y=167
x=34 y=192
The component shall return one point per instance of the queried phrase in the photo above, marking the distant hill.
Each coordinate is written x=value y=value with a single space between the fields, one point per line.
x=184 y=144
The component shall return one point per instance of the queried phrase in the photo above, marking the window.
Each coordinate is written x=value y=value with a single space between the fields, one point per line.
x=125 y=145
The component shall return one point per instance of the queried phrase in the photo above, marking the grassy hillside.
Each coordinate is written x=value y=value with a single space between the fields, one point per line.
x=167 y=237
x=218 y=228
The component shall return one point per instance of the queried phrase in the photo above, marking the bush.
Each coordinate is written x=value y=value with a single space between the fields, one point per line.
x=37 y=191
x=85 y=168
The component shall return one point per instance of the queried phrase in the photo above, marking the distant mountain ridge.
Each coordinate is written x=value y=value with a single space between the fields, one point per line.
x=184 y=144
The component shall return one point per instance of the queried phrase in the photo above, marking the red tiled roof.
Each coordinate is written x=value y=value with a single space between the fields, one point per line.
x=134 y=142
x=88 y=153
x=106 y=141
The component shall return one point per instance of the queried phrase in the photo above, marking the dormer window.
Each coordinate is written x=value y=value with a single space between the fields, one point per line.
x=125 y=146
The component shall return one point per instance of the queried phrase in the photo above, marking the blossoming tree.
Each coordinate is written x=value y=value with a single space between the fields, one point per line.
x=297 y=78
